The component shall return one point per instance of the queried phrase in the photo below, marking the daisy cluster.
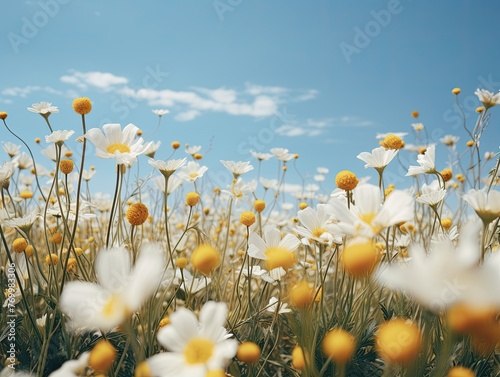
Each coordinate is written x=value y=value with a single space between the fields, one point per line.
x=167 y=275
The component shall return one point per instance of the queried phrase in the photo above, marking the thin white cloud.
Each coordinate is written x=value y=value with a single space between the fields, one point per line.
x=316 y=127
x=187 y=115
x=23 y=92
x=257 y=101
x=101 y=80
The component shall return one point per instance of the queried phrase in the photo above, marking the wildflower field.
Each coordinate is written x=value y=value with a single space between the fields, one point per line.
x=171 y=276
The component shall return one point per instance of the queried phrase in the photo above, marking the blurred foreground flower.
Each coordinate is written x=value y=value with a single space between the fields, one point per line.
x=120 y=292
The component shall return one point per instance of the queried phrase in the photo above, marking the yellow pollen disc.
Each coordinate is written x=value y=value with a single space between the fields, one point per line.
x=368 y=219
x=122 y=148
x=113 y=305
x=317 y=232
x=279 y=257
x=193 y=175
x=198 y=351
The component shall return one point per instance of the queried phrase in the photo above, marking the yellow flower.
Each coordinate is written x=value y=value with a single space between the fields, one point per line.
x=181 y=262
x=415 y=114
x=298 y=359
x=29 y=250
x=360 y=259
x=142 y=370
x=302 y=295
x=175 y=145
x=456 y=91
x=82 y=105
x=248 y=352
x=392 y=141
x=164 y=322
x=346 y=180
x=398 y=341
x=66 y=166
x=26 y=194
x=71 y=264
x=339 y=345
x=102 y=356
x=205 y=258
x=247 y=218
x=463 y=318
x=447 y=174
x=56 y=238
x=303 y=205
x=192 y=198
x=137 y=214
x=3 y=115
x=446 y=223
x=460 y=372
x=19 y=245
x=259 y=205
x=52 y=259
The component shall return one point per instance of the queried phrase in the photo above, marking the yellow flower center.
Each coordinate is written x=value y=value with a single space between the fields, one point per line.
x=279 y=257
x=113 y=305
x=368 y=219
x=198 y=351
x=122 y=148
x=317 y=232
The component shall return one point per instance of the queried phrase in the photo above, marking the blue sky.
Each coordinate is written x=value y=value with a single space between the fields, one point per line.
x=320 y=78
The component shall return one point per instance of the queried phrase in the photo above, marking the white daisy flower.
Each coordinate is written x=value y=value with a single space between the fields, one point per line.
x=161 y=112
x=488 y=98
x=195 y=347
x=269 y=183
x=274 y=306
x=124 y=146
x=192 y=150
x=51 y=151
x=59 y=137
x=449 y=140
x=88 y=174
x=322 y=170
x=261 y=156
x=43 y=108
x=192 y=171
x=446 y=274
x=431 y=194
x=23 y=161
x=151 y=149
x=379 y=158
x=418 y=126
x=486 y=205
x=239 y=189
x=425 y=161
x=369 y=216
x=120 y=292
x=282 y=154
x=6 y=172
x=237 y=168
x=316 y=224
x=276 y=251
x=72 y=368
x=11 y=149
x=23 y=223
x=173 y=183
x=167 y=168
